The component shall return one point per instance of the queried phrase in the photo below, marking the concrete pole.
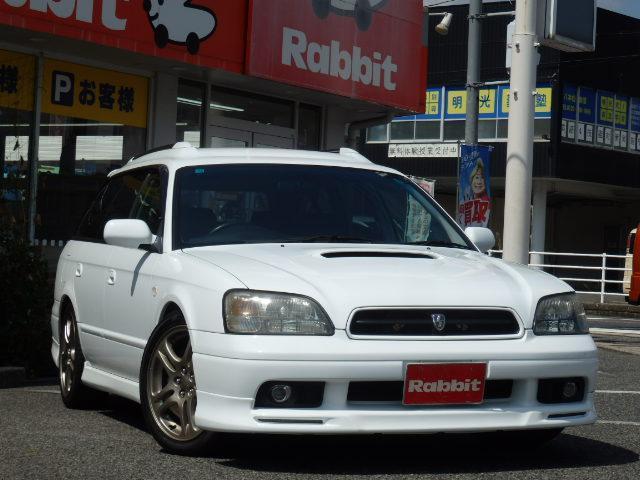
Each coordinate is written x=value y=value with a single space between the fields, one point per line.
x=473 y=71
x=517 y=201
x=539 y=222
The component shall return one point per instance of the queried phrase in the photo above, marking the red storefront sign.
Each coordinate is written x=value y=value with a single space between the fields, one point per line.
x=338 y=46
x=210 y=33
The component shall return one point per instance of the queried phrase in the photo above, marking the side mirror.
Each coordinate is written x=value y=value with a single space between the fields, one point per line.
x=481 y=237
x=128 y=233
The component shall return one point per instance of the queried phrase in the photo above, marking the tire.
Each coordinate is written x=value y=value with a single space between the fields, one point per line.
x=193 y=43
x=168 y=390
x=161 y=36
x=363 y=14
x=71 y=363
x=321 y=8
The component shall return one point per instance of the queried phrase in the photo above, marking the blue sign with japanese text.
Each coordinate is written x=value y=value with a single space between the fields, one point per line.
x=587 y=105
x=634 y=115
x=569 y=102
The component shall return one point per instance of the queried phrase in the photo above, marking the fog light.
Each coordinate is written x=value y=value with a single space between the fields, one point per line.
x=569 y=390
x=280 y=393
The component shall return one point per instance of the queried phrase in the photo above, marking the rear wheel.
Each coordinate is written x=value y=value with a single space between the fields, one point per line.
x=71 y=363
x=168 y=389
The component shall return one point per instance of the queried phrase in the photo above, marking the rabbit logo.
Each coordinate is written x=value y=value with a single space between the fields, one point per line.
x=179 y=22
x=361 y=10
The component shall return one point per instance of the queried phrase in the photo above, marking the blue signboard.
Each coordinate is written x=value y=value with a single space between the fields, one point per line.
x=569 y=102
x=587 y=105
x=474 y=194
x=634 y=115
x=606 y=107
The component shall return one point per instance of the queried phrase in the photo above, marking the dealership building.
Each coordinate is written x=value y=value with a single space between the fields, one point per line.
x=87 y=84
x=586 y=165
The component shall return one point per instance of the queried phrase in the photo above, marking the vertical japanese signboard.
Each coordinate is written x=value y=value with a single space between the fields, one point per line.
x=569 y=111
x=79 y=91
x=606 y=107
x=621 y=122
x=474 y=191
x=433 y=109
x=17 y=80
x=586 y=114
x=634 y=125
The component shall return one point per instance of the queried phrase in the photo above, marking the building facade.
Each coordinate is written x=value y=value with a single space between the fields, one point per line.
x=87 y=84
x=586 y=168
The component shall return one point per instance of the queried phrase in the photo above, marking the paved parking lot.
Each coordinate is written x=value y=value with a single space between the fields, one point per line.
x=41 y=439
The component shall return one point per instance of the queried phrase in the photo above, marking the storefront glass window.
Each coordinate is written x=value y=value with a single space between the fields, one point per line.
x=401 y=130
x=16 y=105
x=379 y=133
x=427 y=130
x=309 y=118
x=93 y=121
x=190 y=112
x=250 y=107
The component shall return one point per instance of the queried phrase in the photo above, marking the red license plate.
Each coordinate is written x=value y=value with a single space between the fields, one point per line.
x=444 y=383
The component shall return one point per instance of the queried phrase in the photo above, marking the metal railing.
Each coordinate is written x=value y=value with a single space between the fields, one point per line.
x=601 y=270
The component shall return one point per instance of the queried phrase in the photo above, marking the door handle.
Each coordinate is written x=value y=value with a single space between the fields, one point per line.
x=111 y=277
x=78 y=269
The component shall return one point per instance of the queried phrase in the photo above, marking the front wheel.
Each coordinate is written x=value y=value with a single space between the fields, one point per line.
x=168 y=389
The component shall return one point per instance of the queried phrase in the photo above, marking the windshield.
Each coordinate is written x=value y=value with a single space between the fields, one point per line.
x=247 y=203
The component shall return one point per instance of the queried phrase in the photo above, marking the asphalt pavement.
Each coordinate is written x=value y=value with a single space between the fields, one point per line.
x=42 y=439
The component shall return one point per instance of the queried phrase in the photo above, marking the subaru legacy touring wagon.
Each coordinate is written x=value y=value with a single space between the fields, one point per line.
x=281 y=291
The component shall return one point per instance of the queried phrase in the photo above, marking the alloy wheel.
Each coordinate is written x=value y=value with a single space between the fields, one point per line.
x=171 y=386
x=68 y=344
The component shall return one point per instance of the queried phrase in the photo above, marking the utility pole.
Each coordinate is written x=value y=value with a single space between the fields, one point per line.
x=473 y=71
x=517 y=198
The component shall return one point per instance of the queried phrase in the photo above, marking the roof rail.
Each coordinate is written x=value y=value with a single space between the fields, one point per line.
x=352 y=154
x=169 y=146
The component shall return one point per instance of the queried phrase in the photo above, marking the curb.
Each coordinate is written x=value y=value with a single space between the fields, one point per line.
x=11 y=377
x=612 y=309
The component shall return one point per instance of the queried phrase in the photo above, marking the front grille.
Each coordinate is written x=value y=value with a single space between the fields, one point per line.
x=418 y=322
x=392 y=391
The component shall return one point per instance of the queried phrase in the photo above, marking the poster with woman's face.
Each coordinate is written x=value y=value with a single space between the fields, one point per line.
x=474 y=194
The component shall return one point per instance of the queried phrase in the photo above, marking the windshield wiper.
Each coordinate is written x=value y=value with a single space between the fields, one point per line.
x=328 y=239
x=440 y=243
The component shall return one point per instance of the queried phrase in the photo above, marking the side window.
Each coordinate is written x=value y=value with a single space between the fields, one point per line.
x=136 y=194
x=91 y=225
x=147 y=203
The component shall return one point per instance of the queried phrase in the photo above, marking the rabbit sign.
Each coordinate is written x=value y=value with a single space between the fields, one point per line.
x=180 y=22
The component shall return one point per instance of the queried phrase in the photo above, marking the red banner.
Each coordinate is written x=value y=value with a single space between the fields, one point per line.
x=367 y=50
x=210 y=33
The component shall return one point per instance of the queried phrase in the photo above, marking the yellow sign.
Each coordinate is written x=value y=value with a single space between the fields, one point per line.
x=433 y=102
x=487 y=100
x=456 y=102
x=543 y=100
x=94 y=94
x=17 y=80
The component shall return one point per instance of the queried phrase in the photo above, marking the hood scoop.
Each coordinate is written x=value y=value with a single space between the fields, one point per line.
x=375 y=254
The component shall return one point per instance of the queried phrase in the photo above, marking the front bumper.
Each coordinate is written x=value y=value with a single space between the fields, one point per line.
x=229 y=370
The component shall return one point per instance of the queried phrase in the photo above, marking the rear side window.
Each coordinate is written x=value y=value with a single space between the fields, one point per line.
x=136 y=194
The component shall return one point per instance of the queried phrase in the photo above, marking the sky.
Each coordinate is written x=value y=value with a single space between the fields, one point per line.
x=626 y=7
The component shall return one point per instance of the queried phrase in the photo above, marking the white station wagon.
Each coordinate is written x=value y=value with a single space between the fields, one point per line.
x=281 y=291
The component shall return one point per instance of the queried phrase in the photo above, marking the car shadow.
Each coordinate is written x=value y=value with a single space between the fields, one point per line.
x=407 y=454
x=389 y=454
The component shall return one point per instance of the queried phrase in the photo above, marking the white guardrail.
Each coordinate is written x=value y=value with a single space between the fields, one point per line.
x=597 y=264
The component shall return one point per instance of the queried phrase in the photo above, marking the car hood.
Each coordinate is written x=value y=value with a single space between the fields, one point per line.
x=344 y=277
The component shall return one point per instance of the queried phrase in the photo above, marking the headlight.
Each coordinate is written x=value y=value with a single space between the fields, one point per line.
x=560 y=315
x=266 y=313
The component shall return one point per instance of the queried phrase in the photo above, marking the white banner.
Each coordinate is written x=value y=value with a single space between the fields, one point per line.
x=423 y=150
